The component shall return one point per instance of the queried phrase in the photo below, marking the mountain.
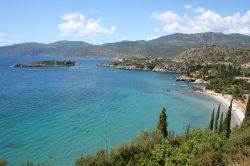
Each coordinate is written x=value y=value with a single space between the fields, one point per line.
x=166 y=46
x=214 y=53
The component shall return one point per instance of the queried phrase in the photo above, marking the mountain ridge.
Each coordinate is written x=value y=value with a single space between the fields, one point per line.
x=165 y=46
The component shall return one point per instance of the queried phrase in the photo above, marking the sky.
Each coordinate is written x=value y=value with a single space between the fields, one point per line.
x=105 y=21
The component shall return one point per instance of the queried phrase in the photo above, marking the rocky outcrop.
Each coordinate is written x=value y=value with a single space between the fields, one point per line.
x=126 y=67
x=169 y=68
x=106 y=64
x=158 y=68
x=185 y=79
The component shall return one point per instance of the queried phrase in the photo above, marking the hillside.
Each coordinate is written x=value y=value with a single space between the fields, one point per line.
x=215 y=53
x=166 y=46
x=217 y=145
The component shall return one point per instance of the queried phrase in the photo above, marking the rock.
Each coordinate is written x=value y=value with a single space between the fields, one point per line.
x=200 y=81
x=169 y=68
x=185 y=79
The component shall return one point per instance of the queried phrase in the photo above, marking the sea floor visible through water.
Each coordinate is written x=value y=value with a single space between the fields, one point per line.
x=57 y=114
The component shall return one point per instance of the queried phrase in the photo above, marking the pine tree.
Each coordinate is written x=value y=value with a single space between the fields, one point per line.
x=221 y=122
x=211 y=124
x=217 y=119
x=162 y=124
x=227 y=121
x=247 y=112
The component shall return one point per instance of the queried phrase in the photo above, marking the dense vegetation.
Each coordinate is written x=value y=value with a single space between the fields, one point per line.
x=48 y=63
x=224 y=78
x=219 y=145
x=147 y=63
x=213 y=146
x=214 y=53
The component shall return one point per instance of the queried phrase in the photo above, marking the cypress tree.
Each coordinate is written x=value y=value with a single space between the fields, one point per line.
x=221 y=121
x=172 y=135
x=187 y=132
x=227 y=121
x=247 y=112
x=211 y=124
x=217 y=119
x=162 y=124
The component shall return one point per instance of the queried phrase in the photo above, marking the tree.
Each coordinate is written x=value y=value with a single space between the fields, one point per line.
x=227 y=121
x=162 y=124
x=211 y=124
x=187 y=132
x=221 y=122
x=217 y=119
x=247 y=112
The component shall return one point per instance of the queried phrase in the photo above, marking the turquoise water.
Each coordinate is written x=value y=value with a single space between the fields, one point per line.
x=56 y=115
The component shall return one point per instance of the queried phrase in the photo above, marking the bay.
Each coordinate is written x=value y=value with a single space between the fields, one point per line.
x=55 y=115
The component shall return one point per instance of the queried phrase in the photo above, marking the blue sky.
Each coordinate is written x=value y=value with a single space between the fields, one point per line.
x=103 y=21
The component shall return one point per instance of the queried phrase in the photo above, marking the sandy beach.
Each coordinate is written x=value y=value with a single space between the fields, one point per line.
x=238 y=108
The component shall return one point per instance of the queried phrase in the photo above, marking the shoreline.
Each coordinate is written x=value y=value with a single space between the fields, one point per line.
x=238 y=108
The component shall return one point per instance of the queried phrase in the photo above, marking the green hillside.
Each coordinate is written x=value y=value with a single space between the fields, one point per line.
x=166 y=46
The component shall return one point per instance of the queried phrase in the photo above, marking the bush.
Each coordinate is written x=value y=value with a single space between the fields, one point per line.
x=3 y=163
x=203 y=148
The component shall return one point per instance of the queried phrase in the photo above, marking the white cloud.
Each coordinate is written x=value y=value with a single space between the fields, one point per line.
x=187 y=6
x=167 y=16
x=7 y=40
x=124 y=38
x=202 y=20
x=152 y=37
x=76 y=24
x=73 y=16
x=199 y=10
x=157 y=30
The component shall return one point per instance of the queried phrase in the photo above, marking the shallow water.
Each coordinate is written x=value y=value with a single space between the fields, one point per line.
x=57 y=114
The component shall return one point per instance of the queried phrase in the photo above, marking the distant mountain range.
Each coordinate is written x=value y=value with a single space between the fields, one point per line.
x=166 y=46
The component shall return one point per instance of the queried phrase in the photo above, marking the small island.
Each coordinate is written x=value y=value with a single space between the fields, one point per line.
x=49 y=63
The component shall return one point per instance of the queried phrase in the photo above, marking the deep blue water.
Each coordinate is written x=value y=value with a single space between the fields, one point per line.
x=57 y=114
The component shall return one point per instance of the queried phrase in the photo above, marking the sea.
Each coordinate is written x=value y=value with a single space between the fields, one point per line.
x=58 y=114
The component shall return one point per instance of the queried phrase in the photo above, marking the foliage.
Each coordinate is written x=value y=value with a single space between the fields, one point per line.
x=199 y=147
x=217 y=119
x=237 y=147
x=221 y=123
x=202 y=147
x=46 y=63
x=247 y=112
x=162 y=124
x=3 y=163
x=224 y=78
x=226 y=126
x=211 y=124
x=137 y=152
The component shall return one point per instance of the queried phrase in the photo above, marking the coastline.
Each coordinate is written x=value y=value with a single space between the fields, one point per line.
x=238 y=107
